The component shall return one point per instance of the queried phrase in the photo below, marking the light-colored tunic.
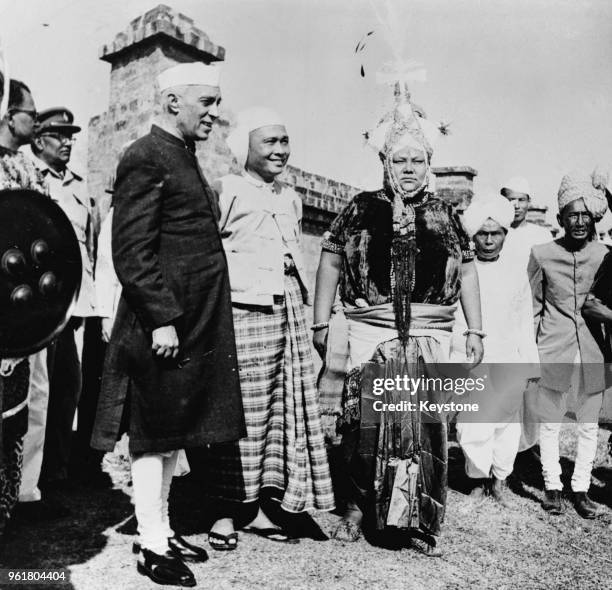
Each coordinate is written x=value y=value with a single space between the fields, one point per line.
x=259 y=223
x=70 y=193
x=108 y=287
x=507 y=318
x=560 y=281
x=520 y=240
x=507 y=315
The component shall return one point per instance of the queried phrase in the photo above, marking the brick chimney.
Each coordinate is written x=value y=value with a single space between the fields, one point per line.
x=151 y=43
x=455 y=184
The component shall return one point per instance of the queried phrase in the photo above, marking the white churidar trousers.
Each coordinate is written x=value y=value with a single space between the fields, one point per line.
x=151 y=478
x=587 y=408
x=587 y=413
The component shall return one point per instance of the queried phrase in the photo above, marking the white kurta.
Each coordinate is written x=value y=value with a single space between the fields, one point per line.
x=507 y=315
x=519 y=242
x=490 y=447
x=107 y=285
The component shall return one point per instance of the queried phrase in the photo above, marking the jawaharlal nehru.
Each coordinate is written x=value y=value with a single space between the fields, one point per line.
x=170 y=378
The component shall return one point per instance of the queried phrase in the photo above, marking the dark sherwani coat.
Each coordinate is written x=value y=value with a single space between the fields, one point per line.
x=169 y=258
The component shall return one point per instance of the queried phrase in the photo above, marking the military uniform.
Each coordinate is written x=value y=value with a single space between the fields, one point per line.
x=69 y=190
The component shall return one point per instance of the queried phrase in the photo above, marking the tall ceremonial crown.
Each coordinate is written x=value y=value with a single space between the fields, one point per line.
x=405 y=116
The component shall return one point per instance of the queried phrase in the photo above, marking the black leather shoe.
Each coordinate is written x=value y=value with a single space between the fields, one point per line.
x=186 y=551
x=552 y=502
x=165 y=569
x=584 y=506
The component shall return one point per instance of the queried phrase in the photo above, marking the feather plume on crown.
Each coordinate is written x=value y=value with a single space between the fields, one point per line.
x=398 y=73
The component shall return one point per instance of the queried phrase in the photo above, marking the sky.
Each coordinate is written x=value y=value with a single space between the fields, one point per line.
x=526 y=85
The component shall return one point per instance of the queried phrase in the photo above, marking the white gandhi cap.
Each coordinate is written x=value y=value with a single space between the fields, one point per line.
x=517 y=184
x=189 y=74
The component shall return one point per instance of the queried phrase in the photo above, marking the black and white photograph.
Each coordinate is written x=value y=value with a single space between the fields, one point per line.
x=306 y=294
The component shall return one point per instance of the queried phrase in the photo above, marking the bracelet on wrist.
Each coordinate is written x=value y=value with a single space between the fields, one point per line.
x=319 y=326
x=476 y=332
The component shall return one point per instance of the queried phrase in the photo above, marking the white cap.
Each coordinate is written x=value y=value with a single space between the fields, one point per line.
x=247 y=121
x=189 y=74
x=494 y=207
x=517 y=184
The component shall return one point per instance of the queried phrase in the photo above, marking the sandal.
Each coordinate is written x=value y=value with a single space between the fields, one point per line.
x=187 y=551
x=273 y=534
x=221 y=542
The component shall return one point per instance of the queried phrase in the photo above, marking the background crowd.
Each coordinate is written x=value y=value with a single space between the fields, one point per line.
x=402 y=260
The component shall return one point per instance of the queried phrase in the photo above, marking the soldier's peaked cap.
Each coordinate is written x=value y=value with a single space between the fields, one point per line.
x=56 y=119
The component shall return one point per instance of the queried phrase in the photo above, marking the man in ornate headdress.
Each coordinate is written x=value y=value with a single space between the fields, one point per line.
x=170 y=374
x=561 y=273
x=402 y=261
x=507 y=317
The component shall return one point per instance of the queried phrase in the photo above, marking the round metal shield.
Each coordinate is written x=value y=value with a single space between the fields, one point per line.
x=40 y=271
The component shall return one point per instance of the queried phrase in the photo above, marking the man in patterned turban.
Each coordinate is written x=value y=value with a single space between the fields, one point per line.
x=561 y=273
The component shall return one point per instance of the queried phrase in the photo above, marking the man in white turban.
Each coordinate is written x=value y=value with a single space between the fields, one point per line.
x=490 y=439
x=561 y=273
x=283 y=457
x=492 y=208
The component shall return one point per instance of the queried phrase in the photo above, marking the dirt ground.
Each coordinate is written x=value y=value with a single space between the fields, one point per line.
x=485 y=546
